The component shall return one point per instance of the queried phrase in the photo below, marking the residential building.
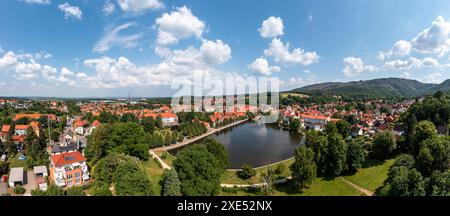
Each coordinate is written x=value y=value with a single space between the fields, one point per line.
x=68 y=169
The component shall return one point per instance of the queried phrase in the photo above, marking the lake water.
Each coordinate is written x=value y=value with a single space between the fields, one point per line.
x=257 y=144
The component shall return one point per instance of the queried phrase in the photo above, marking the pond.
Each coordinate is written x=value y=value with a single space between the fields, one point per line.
x=256 y=144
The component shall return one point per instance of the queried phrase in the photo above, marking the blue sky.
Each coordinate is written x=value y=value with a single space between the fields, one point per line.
x=79 y=48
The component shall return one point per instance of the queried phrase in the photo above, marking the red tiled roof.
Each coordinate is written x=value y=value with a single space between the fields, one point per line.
x=168 y=115
x=67 y=158
x=21 y=127
x=313 y=117
x=23 y=115
x=80 y=123
x=5 y=128
x=96 y=123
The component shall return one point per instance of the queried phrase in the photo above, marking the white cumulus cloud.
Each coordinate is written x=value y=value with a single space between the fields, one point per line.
x=215 y=52
x=177 y=25
x=271 y=27
x=354 y=66
x=140 y=5
x=261 y=65
x=280 y=52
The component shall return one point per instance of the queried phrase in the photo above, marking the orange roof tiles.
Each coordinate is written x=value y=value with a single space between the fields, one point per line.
x=5 y=128
x=22 y=127
x=67 y=158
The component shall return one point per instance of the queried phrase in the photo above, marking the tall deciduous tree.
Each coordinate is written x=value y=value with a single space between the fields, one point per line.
x=383 y=145
x=304 y=168
x=198 y=171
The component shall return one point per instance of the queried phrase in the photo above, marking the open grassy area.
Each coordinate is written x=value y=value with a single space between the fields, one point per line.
x=167 y=157
x=320 y=187
x=230 y=176
x=372 y=174
x=154 y=173
x=15 y=162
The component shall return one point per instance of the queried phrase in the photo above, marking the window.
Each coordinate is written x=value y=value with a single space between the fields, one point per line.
x=77 y=175
x=77 y=181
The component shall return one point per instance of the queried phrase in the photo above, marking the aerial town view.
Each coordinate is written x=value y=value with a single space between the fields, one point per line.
x=224 y=98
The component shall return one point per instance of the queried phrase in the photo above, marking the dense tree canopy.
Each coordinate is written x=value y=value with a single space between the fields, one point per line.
x=198 y=171
x=384 y=145
x=304 y=169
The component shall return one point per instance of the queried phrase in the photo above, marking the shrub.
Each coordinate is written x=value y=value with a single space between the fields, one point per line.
x=246 y=172
x=19 y=189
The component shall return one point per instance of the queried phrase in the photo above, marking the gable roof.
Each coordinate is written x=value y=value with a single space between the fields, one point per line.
x=67 y=158
x=5 y=128
x=21 y=127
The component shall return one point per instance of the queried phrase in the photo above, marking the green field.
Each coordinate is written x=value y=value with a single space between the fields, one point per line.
x=320 y=187
x=372 y=174
x=15 y=162
x=154 y=173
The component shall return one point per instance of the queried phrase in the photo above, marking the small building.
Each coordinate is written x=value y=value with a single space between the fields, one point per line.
x=16 y=176
x=40 y=172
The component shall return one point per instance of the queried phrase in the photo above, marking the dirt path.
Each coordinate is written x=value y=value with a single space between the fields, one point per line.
x=155 y=156
x=365 y=191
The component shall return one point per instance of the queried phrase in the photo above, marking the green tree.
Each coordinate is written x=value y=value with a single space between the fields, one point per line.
x=423 y=131
x=434 y=154
x=384 y=145
x=246 y=171
x=319 y=144
x=439 y=184
x=304 y=168
x=171 y=183
x=198 y=171
x=355 y=155
x=218 y=150
x=129 y=179
x=344 y=128
x=336 y=159
x=330 y=128
x=75 y=191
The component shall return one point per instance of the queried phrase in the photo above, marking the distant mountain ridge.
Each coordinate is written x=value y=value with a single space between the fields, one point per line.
x=383 y=87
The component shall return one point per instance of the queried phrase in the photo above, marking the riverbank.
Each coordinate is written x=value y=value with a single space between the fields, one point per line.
x=155 y=153
x=197 y=138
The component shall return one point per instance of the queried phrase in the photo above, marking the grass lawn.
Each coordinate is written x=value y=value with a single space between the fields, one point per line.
x=167 y=158
x=154 y=173
x=230 y=176
x=320 y=187
x=15 y=162
x=372 y=174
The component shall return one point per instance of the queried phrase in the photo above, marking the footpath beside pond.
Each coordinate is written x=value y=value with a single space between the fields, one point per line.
x=156 y=151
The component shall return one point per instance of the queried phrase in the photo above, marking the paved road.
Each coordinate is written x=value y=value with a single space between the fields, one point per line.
x=30 y=183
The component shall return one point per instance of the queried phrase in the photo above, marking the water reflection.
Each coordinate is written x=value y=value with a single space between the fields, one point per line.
x=257 y=144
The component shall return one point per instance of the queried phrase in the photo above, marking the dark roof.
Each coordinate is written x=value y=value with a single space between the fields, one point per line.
x=72 y=146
